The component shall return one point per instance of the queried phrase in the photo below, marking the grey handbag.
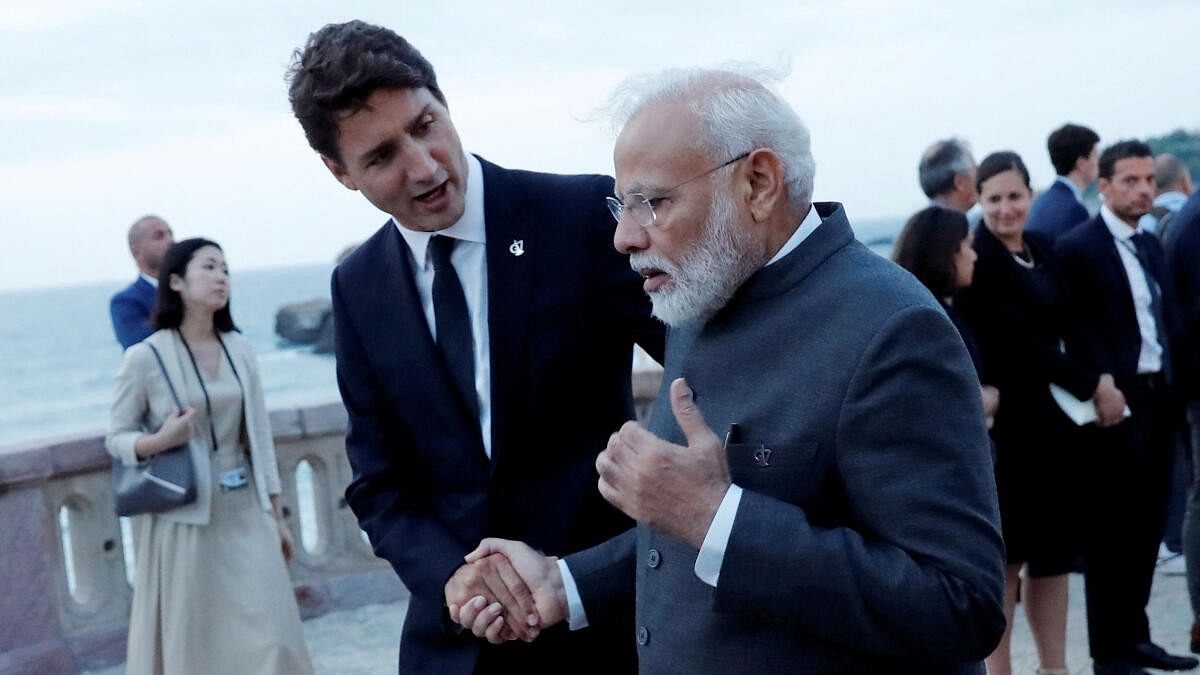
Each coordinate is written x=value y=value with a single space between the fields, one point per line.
x=160 y=483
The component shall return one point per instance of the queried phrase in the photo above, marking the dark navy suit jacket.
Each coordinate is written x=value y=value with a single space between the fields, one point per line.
x=1055 y=212
x=1095 y=275
x=130 y=311
x=563 y=318
x=1182 y=245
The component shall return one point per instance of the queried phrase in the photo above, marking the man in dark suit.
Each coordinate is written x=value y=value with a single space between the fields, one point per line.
x=946 y=173
x=484 y=338
x=1073 y=151
x=814 y=489
x=1181 y=242
x=1117 y=280
x=149 y=239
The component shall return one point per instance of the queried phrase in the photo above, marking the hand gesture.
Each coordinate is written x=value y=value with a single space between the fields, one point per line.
x=489 y=597
x=540 y=574
x=175 y=430
x=672 y=488
x=1109 y=402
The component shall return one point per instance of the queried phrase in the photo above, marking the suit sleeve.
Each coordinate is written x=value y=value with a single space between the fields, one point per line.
x=385 y=491
x=264 y=439
x=128 y=320
x=1079 y=275
x=921 y=573
x=129 y=405
x=604 y=576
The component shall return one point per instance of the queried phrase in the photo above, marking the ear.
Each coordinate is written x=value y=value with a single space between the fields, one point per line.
x=339 y=172
x=763 y=184
x=962 y=183
x=176 y=283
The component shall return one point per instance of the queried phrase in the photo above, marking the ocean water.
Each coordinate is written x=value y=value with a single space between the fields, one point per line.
x=58 y=355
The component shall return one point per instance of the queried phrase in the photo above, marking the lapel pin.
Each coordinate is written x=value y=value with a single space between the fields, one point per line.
x=517 y=248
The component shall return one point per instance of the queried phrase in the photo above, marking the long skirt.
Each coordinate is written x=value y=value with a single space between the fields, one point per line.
x=214 y=598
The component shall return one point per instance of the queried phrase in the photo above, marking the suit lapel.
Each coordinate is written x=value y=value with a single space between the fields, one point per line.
x=400 y=342
x=511 y=254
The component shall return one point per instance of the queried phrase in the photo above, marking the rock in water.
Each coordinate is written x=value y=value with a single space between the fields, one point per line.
x=302 y=322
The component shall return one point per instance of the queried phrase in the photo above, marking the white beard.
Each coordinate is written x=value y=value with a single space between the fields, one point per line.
x=709 y=274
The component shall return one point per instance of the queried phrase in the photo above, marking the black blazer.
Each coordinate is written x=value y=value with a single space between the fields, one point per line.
x=1019 y=336
x=1055 y=212
x=563 y=317
x=1095 y=276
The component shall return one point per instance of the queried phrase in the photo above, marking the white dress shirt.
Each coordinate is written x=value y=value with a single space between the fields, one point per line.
x=153 y=281
x=1150 y=356
x=469 y=260
x=712 y=550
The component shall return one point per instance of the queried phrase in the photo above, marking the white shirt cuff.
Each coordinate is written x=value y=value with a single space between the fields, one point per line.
x=712 y=551
x=576 y=617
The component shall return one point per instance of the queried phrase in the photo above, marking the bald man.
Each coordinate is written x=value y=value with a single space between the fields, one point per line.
x=149 y=239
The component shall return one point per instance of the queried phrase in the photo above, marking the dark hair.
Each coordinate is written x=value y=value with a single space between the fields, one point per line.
x=927 y=246
x=999 y=162
x=168 y=305
x=940 y=164
x=340 y=67
x=1068 y=143
x=1121 y=150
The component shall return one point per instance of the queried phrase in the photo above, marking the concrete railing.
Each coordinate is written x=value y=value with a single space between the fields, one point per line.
x=64 y=589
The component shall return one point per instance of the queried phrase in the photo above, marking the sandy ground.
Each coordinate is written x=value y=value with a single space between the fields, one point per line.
x=364 y=641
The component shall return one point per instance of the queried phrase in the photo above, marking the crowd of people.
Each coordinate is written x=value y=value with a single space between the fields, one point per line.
x=1064 y=312
x=849 y=468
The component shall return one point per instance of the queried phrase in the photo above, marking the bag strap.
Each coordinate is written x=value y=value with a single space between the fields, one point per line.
x=163 y=368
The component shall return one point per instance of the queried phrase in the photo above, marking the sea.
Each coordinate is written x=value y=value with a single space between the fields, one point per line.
x=58 y=354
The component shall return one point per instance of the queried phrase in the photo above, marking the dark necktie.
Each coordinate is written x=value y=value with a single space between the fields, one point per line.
x=453 y=322
x=1141 y=245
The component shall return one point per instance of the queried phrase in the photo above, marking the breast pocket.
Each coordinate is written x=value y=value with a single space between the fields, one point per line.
x=787 y=472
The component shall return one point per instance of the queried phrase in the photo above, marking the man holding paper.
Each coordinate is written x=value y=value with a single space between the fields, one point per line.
x=1118 y=283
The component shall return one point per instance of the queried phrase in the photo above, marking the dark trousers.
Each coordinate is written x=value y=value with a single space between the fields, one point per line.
x=1128 y=481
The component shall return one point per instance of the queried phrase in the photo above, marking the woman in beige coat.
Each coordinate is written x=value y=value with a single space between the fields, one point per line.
x=211 y=592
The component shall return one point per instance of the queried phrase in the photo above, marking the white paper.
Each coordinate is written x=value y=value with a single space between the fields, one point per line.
x=1080 y=412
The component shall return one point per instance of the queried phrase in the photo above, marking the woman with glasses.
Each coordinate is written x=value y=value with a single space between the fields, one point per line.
x=1018 y=310
x=211 y=592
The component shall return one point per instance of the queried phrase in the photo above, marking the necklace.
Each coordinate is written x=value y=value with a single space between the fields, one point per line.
x=1027 y=260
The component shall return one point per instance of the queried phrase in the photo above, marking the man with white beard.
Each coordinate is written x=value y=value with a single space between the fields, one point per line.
x=814 y=491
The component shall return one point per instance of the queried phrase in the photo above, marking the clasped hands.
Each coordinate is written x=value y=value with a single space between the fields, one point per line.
x=506 y=590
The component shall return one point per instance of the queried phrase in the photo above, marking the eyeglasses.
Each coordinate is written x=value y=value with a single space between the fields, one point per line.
x=641 y=208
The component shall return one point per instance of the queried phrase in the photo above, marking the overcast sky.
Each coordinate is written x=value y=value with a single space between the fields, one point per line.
x=114 y=108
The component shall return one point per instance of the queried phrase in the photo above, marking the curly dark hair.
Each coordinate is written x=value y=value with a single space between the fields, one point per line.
x=927 y=245
x=1067 y=144
x=1119 y=151
x=340 y=67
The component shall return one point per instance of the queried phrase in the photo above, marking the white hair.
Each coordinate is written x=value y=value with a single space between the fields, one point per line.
x=738 y=109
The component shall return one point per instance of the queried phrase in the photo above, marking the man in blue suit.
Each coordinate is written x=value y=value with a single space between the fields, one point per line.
x=1117 y=279
x=1073 y=151
x=149 y=239
x=484 y=338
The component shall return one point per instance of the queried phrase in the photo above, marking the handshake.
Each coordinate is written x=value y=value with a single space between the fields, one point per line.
x=506 y=591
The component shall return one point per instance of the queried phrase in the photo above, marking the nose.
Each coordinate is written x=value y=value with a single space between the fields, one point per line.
x=420 y=164
x=629 y=236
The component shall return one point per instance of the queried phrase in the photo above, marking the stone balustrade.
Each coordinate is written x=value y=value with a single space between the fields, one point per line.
x=64 y=589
